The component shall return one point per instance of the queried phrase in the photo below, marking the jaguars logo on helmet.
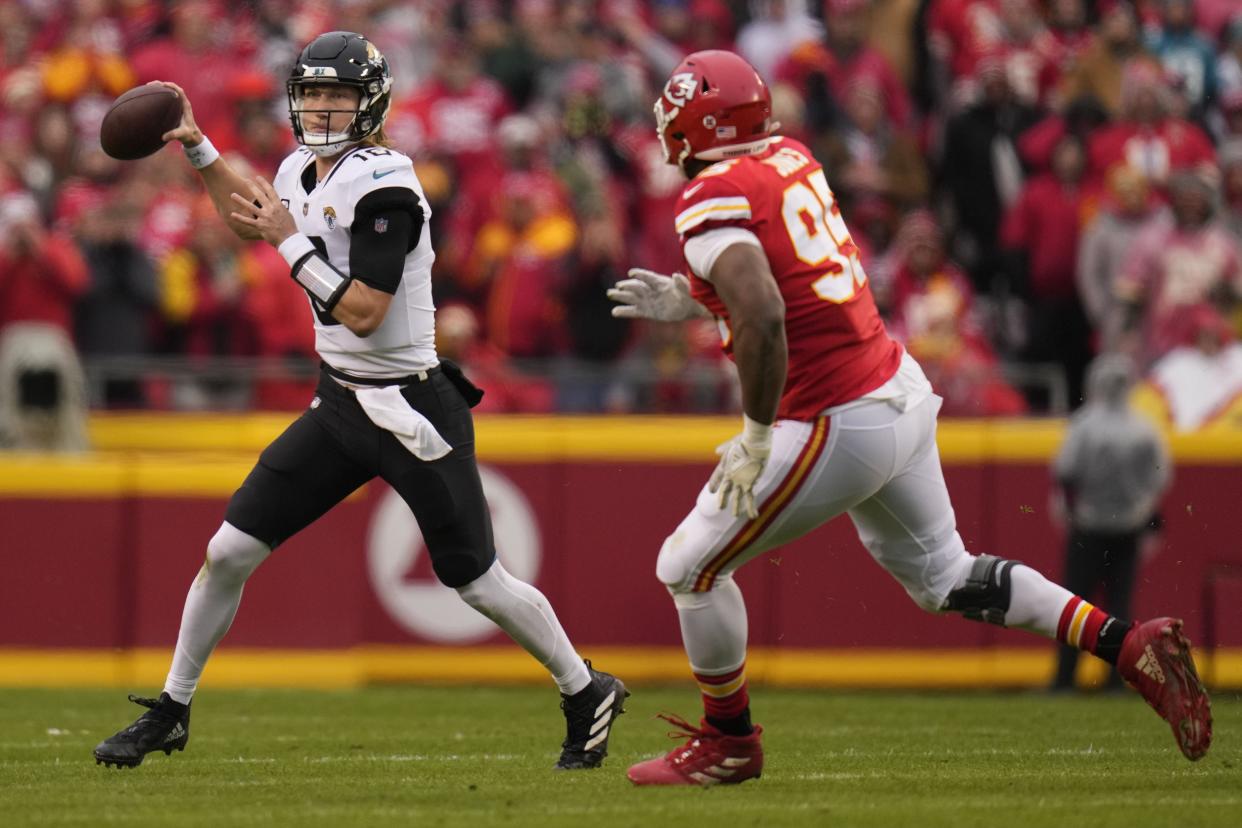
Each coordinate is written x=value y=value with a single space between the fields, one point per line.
x=345 y=58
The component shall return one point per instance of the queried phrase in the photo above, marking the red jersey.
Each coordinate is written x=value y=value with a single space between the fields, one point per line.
x=838 y=348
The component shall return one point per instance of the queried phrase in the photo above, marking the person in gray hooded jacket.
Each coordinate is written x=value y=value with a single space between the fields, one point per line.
x=1112 y=470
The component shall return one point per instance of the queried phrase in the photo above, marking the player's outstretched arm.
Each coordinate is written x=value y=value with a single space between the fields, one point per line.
x=650 y=295
x=743 y=280
x=221 y=180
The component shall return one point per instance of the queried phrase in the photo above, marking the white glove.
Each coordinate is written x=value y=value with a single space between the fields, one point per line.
x=741 y=462
x=650 y=295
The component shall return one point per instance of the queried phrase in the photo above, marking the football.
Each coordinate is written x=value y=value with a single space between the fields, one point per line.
x=133 y=126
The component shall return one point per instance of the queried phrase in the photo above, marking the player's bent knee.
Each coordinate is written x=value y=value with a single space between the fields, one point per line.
x=984 y=595
x=458 y=569
x=673 y=566
x=233 y=554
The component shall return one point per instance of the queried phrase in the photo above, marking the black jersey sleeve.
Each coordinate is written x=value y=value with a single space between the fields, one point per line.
x=387 y=225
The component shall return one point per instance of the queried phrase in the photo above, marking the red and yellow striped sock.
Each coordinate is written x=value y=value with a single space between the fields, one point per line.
x=1089 y=628
x=724 y=696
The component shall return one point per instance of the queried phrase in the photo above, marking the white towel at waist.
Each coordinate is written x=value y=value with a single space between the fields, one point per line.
x=389 y=410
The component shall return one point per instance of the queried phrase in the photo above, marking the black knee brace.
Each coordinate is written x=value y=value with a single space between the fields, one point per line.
x=985 y=595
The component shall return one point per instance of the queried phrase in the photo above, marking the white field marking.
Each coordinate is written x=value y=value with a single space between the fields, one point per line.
x=56 y=731
x=245 y=760
x=411 y=757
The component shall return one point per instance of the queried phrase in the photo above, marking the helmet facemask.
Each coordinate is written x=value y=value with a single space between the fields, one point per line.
x=339 y=134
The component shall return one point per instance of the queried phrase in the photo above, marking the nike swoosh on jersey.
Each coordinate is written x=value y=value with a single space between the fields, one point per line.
x=691 y=191
x=378 y=174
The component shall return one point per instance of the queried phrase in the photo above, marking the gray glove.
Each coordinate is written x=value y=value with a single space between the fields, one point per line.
x=650 y=295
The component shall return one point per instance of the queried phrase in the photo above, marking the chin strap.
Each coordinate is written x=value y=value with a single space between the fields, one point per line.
x=330 y=148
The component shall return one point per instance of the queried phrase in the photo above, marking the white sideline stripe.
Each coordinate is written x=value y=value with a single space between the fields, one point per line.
x=410 y=757
x=607 y=717
x=606 y=703
x=595 y=740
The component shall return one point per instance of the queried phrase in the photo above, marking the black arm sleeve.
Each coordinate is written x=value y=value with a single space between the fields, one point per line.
x=387 y=225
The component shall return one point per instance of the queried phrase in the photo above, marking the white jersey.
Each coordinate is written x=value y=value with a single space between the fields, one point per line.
x=405 y=341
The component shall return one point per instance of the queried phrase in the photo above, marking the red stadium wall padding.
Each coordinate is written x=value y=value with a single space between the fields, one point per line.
x=111 y=570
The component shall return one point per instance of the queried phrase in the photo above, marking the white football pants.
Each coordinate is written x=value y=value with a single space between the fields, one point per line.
x=878 y=464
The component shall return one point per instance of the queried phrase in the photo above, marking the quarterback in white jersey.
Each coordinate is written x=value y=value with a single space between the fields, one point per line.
x=352 y=204
x=350 y=218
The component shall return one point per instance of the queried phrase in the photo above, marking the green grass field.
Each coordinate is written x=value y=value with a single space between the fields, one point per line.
x=475 y=756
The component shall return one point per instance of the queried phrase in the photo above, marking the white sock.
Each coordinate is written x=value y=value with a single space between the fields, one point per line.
x=713 y=627
x=1035 y=603
x=521 y=611
x=210 y=606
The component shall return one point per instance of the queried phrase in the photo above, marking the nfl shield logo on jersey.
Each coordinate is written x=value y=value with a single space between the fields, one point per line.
x=329 y=217
x=381 y=225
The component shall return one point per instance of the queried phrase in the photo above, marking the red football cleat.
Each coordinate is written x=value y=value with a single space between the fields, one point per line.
x=1155 y=659
x=708 y=758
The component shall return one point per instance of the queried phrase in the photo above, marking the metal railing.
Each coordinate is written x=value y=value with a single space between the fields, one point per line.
x=230 y=383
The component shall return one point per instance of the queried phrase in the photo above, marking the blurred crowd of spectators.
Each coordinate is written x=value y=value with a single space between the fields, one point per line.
x=1030 y=181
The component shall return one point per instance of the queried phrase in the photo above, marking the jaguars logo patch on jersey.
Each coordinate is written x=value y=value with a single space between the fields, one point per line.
x=329 y=217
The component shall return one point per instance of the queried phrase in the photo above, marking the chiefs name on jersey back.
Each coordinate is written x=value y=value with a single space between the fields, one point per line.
x=838 y=347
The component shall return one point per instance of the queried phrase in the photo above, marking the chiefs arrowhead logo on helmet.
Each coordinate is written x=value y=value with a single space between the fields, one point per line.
x=679 y=89
x=714 y=106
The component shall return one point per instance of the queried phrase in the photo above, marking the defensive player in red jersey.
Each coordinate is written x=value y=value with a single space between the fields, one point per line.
x=838 y=419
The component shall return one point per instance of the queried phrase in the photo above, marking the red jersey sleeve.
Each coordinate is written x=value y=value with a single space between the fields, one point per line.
x=710 y=201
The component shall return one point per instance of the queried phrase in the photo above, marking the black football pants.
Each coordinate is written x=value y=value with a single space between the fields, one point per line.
x=334 y=448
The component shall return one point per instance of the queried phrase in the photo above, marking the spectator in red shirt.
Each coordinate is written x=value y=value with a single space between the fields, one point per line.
x=454 y=116
x=518 y=260
x=1030 y=52
x=922 y=270
x=191 y=58
x=1149 y=137
x=1040 y=233
x=961 y=32
x=41 y=273
x=932 y=315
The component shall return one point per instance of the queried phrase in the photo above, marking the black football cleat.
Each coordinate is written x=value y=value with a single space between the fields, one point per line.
x=589 y=720
x=166 y=727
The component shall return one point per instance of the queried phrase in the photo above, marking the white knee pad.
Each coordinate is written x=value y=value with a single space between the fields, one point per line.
x=233 y=555
x=673 y=570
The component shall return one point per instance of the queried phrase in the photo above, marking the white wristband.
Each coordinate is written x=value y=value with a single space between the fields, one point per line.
x=756 y=435
x=202 y=154
x=295 y=247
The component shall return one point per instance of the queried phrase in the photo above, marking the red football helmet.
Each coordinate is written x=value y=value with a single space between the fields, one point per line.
x=714 y=106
